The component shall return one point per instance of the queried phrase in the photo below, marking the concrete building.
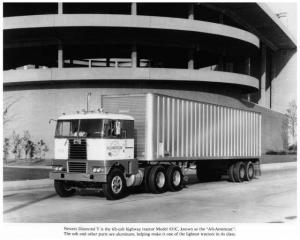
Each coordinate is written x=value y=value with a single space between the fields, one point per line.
x=233 y=54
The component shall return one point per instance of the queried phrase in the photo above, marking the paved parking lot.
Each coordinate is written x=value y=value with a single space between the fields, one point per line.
x=271 y=198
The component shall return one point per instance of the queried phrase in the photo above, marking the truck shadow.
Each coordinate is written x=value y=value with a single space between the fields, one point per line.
x=192 y=180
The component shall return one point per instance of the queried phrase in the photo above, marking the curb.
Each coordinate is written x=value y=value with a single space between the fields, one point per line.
x=44 y=183
x=27 y=184
x=273 y=167
x=30 y=167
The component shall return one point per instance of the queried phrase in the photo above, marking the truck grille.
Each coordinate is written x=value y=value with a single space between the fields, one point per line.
x=77 y=167
x=77 y=149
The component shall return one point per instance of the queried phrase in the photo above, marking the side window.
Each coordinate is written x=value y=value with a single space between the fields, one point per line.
x=119 y=129
x=114 y=129
x=127 y=129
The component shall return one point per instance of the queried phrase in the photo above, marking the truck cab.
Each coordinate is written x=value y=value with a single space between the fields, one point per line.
x=88 y=147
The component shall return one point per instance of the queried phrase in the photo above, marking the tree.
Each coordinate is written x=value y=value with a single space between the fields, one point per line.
x=26 y=144
x=8 y=103
x=40 y=149
x=291 y=113
x=17 y=145
x=6 y=148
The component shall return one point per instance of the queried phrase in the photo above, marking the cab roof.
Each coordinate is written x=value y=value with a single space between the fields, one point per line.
x=96 y=116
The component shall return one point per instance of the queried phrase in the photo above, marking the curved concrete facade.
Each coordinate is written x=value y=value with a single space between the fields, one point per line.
x=53 y=61
x=125 y=21
x=132 y=74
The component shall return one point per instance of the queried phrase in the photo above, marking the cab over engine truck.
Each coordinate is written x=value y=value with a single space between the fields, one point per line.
x=151 y=140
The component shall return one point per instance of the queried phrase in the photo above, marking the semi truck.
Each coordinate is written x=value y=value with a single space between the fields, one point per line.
x=152 y=140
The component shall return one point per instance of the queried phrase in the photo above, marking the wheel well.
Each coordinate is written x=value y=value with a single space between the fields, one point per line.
x=117 y=165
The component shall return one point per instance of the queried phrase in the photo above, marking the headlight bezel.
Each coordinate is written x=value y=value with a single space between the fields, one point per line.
x=97 y=169
x=58 y=168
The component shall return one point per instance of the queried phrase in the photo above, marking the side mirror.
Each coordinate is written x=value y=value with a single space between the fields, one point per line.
x=52 y=120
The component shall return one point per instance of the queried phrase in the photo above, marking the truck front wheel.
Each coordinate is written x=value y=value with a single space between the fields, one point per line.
x=115 y=187
x=157 y=179
x=62 y=189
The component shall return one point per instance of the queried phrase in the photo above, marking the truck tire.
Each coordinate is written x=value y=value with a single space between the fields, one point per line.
x=157 y=179
x=115 y=187
x=230 y=173
x=239 y=172
x=174 y=178
x=62 y=189
x=249 y=171
x=146 y=179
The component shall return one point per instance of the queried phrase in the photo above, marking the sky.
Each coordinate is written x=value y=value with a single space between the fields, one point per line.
x=288 y=88
x=291 y=9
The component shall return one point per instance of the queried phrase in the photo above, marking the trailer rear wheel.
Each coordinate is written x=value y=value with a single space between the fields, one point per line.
x=239 y=172
x=157 y=179
x=115 y=187
x=174 y=178
x=249 y=171
x=230 y=173
x=62 y=189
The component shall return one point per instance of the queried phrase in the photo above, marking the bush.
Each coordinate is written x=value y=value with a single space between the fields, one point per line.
x=272 y=152
x=24 y=147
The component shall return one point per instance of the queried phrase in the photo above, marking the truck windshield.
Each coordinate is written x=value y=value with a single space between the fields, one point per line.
x=66 y=128
x=80 y=128
x=95 y=128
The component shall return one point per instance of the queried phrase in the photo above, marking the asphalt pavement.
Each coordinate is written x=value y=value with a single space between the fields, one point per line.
x=270 y=198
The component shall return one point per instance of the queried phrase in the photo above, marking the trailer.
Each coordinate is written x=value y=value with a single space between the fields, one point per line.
x=151 y=140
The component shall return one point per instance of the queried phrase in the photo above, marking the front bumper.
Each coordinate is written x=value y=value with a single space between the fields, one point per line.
x=82 y=177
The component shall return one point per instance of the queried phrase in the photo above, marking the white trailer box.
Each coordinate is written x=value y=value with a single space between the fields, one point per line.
x=169 y=128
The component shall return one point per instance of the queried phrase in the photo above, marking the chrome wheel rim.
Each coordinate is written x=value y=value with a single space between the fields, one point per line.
x=160 y=179
x=176 y=178
x=116 y=184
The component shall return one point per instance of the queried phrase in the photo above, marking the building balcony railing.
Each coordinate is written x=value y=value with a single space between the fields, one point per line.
x=37 y=76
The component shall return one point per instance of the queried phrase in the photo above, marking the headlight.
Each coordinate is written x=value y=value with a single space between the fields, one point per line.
x=98 y=170
x=57 y=168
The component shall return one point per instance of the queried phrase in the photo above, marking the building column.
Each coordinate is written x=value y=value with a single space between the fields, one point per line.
x=60 y=8
x=221 y=18
x=263 y=75
x=60 y=56
x=191 y=11
x=134 y=56
x=134 y=8
x=191 y=58
x=107 y=62
x=248 y=66
x=272 y=78
x=221 y=63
